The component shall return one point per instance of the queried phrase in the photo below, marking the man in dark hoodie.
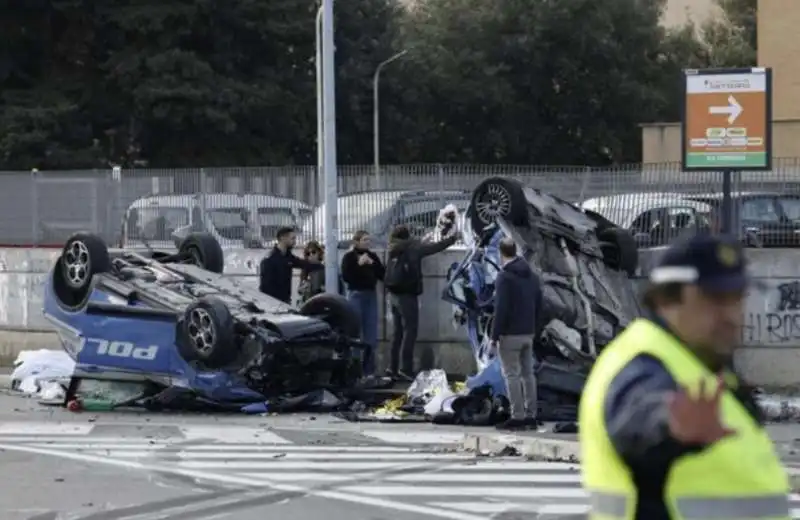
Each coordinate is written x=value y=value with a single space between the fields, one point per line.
x=275 y=270
x=403 y=280
x=517 y=302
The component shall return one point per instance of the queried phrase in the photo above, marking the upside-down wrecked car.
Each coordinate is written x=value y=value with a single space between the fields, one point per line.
x=584 y=262
x=172 y=323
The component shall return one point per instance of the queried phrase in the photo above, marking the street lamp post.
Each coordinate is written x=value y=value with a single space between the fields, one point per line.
x=320 y=115
x=376 y=137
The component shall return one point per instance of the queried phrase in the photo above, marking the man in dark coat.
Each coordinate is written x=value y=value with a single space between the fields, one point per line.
x=275 y=271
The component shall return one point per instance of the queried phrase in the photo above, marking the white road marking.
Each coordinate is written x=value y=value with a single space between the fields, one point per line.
x=466 y=491
x=43 y=428
x=102 y=443
x=249 y=481
x=277 y=465
x=232 y=434
x=488 y=508
x=493 y=478
x=123 y=452
x=414 y=436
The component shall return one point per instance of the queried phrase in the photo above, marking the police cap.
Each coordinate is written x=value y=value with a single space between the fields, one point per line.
x=715 y=263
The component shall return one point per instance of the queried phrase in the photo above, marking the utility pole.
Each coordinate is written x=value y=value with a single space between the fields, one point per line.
x=331 y=226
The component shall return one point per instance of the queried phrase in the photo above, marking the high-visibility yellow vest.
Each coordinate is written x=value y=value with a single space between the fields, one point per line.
x=739 y=477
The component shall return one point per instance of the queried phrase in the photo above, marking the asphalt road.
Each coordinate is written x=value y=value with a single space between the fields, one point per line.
x=146 y=466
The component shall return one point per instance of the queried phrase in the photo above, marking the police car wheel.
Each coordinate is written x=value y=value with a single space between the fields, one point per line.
x=206 y=333
x=203 y=250
x=494 y=198
x=336 y=311
x=83 y=256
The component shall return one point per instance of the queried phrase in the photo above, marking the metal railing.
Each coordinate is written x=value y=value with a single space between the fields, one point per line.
x=40 y=208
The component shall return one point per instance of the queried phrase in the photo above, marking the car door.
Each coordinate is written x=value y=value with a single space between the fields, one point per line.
x=650 y=228
x=761 y=221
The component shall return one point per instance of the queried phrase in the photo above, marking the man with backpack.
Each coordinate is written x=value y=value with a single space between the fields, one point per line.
x=403 y=281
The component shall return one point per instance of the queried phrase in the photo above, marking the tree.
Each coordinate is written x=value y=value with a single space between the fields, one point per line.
x=731 y=39
x=536 y=81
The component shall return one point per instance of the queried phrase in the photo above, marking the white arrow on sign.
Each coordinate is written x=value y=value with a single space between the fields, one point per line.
x=733 y=110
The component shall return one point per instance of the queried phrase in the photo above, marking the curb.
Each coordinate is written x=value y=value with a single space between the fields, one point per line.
x=534 y=448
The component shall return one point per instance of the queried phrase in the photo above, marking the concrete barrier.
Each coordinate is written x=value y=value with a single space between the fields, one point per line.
x=771 y=335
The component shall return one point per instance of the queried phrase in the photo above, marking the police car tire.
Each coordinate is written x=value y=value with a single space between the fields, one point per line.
x=514 y=207
x=72 y=294
x=336 y=311
x=223 y=349
x=204 y=250
x=619 y=249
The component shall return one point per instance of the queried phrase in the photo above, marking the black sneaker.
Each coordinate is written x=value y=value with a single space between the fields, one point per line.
x=532 y=423
x=513 y=424
x=390 y=373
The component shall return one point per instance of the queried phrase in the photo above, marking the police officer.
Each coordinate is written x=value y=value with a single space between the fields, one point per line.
x=667 y=430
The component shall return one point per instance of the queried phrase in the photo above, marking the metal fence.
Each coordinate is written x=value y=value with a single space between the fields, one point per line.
x=44 y=207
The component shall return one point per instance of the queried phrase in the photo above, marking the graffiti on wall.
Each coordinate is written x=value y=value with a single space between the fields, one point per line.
x=779 y=321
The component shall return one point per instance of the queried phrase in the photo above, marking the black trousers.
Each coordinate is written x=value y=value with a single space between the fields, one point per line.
x=405 y=319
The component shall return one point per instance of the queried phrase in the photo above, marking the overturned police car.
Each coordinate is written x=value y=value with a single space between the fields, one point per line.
x=584 y=262
x=170 y=321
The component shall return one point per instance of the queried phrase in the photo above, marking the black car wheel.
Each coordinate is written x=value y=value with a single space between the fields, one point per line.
x=336 y=311
x=498 y=197
x=203 y=250
x=619 y=249
x=206 y=333
x=83 y=256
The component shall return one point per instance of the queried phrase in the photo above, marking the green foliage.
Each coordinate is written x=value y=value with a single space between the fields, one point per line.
x=86 y=84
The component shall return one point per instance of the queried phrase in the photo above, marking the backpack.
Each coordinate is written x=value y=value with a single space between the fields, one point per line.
x=401 y=276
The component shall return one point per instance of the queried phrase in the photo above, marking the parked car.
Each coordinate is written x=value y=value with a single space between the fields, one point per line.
x=232 y=219
x=762 y=219
x=172 y=324
x=378 y=211
x=584 y=262
x=654 y=219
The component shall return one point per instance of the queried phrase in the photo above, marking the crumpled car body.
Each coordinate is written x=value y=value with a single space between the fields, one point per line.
x=172 y=321
x=584 y=263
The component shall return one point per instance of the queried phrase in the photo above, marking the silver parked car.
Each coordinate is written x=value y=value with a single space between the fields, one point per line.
x=378 y=211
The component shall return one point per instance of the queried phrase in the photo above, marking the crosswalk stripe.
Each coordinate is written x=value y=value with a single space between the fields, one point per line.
x=132 y=443
x=467 y=491
x=99 y=447
x=413 y=437
x=44 y=428
x=232 y=434
x=300 y=464
x=286 y=455
x=299 y=476
x=486 y=508
x=493 y=478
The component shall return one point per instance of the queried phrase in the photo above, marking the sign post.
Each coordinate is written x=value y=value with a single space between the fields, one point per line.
x=727 y=125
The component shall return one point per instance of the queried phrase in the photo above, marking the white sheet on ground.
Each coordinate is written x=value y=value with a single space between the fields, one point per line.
x=42 y=373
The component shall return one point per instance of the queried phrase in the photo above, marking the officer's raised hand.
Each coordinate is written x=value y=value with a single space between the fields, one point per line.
x=696 y=420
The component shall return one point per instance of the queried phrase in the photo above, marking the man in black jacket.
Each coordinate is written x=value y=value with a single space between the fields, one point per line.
x=403 y=280
x=275 y=271
x=517 y=302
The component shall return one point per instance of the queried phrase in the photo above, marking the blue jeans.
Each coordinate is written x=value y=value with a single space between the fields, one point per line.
x=366 y=303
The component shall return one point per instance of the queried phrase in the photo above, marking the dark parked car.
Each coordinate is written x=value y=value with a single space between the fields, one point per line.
x=763 y=219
